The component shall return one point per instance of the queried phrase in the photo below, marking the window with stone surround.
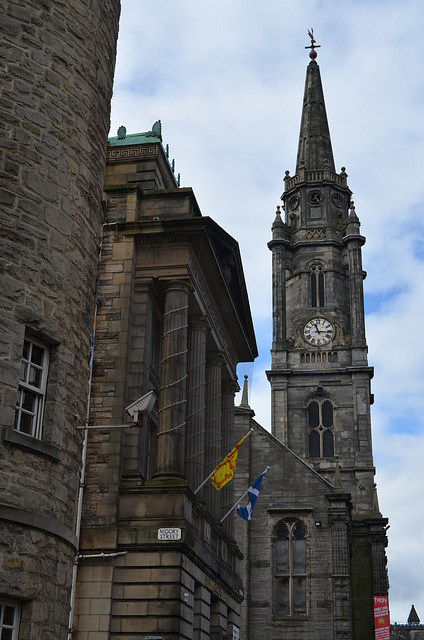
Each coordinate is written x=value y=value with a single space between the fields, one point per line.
x=317 y=286
x=32 y=388
x=9 y=619
x=290 y=568
x=321 y=428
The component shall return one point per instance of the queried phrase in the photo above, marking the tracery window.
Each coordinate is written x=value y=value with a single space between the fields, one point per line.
x=32 y=388
x=290 y=568
x=317 y=286
x=321 y=428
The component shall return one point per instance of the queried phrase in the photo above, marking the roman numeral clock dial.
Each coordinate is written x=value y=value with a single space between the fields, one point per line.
x=318 y=331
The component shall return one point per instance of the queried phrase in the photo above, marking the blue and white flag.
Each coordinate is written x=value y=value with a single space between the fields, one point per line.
x=253 y=492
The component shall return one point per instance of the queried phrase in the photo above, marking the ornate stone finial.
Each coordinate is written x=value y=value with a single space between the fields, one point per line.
x=122 y=132
x=245 y=395
x=375 y=505
x=353 y=216
x=312 y=54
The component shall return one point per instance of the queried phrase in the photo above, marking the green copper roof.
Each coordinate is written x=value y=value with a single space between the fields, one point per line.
x=122 y=139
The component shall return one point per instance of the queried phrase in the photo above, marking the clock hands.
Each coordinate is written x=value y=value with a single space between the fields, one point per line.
x=316 y=327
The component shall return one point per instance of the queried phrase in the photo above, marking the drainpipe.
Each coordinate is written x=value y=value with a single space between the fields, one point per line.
x=84 y=459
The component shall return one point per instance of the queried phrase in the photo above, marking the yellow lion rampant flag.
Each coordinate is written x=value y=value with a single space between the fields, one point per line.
x=224 y=472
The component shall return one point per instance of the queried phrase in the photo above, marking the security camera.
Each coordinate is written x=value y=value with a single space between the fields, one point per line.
x=143 y=405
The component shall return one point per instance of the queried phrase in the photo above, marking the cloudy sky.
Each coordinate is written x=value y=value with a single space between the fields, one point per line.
x=226 y=79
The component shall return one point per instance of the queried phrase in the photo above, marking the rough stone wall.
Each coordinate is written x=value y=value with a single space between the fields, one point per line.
x=57 y=64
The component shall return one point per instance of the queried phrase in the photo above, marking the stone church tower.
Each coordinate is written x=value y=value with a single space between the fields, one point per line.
x=315 y=556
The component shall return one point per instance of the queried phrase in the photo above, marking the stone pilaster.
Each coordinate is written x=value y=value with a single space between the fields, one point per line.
x=339 y=520
x=196 y=408
x=213 y=440
x=173 y=375
x=378 y=540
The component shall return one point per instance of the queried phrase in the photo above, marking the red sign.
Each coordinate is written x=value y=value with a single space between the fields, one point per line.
x=381 y=618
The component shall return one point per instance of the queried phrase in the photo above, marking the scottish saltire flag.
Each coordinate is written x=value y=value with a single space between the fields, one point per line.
x=253 y=492
x=225 y=470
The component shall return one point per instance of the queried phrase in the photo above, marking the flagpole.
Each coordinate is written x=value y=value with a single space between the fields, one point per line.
x=241 y=498
x=215 y=468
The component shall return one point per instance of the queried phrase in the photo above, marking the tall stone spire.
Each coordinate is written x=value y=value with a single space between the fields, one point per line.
x=314 y=151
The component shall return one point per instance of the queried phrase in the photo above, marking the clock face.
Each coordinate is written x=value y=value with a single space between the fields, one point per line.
x=318 y=331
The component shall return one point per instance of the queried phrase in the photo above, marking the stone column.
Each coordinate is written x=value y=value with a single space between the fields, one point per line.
x=173 y=382
x=196 y=407
x=213 y=442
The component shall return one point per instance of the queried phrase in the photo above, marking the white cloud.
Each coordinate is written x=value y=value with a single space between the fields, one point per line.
x=226 y=79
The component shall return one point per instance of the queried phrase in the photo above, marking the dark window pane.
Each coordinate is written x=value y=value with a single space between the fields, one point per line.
x=298 y=531
x=327 y=414
x=282 y=596
x=282 y=556
x=26 y=350
x=28 y=400
x=9 y=615
x=321 y=289
x=299 y=595
x=313 y=289
x=328 y=444
x=6 y=634
x=35 y=377
x=26 y=423
x=313 y=415
x=37 y=355
x=282 y=532
x=299 y=556
x=314 y=451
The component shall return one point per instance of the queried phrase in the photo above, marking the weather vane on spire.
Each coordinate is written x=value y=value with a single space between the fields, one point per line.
x=312 y=54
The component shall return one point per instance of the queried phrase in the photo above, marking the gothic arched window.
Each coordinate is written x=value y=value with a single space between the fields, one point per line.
x=321 y=428
x=290 y=568
x=317 y=286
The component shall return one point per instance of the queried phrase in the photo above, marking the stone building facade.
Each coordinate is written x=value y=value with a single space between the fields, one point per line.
x=57 y=65
x=173 y=320
x=314 y=551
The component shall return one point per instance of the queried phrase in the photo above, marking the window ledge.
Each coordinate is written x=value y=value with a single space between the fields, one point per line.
x=295 y=617
x=37 y=446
